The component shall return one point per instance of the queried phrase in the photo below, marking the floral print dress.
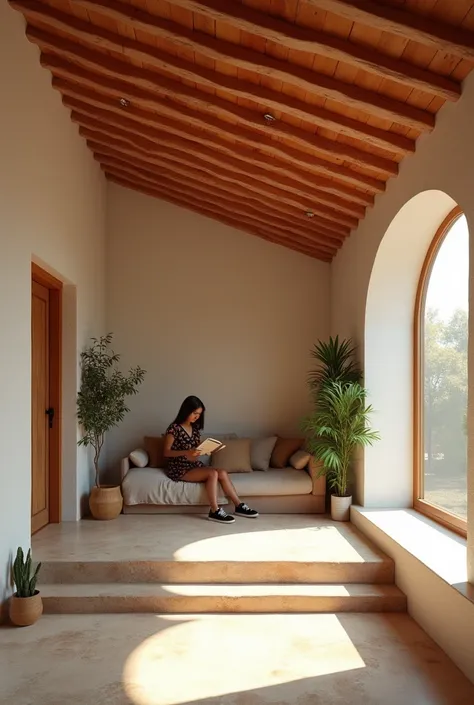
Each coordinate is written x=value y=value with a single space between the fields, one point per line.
x=179 y=466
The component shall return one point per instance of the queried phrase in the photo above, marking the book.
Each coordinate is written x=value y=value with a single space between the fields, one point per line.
x=209 y=446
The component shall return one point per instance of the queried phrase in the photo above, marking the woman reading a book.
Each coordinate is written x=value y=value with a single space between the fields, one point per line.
x=182 y=439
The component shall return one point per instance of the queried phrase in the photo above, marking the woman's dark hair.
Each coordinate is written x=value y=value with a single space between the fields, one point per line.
x=189 y=405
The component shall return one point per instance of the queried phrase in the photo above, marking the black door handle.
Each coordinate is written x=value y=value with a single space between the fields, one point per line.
x=50 y=413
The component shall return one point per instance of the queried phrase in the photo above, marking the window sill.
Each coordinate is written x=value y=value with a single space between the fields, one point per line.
x=441 y=550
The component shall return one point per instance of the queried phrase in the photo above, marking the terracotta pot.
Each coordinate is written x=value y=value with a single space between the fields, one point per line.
x=341 y=508
x=25 y=611
x=105 y=502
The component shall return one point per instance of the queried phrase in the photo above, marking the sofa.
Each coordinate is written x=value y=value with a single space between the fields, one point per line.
x=273 y=474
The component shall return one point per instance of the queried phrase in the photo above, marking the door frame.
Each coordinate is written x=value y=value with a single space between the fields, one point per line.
x=55 y=288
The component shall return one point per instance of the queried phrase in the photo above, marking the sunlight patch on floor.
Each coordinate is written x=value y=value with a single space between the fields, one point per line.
x=438 y=548
x=212 y=656
x=302 y=544
x=264 y=590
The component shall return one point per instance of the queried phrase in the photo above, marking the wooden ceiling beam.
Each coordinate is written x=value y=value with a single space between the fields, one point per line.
x=217 y=195
x=101 y=62
x=208 y=200
x=338 y=222
x=312 y=41
x=215 y=214
x=198 y=108
x=183 y=174
x=108 y=145
x=96 y=105
x=410 y=26
x=248 y=158
x=217 y=49
x=338 y=209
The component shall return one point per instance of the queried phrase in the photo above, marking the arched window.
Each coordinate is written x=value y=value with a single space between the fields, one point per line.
x=441 y=337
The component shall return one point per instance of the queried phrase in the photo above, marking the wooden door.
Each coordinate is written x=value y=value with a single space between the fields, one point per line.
x=40 y=403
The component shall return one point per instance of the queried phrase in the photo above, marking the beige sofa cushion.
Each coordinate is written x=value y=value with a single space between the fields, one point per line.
x=284 y=449
x=261 y=450
x=235 y=457
x=152 y=486
x=154 y=446
x=300 y=459
x=274 y=483
x=206 y=459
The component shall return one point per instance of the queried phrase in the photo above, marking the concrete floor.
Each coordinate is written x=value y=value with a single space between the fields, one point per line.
x=191 y=537
x=227 y=660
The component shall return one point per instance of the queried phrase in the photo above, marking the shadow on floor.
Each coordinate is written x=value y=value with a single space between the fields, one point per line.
x=227 y=659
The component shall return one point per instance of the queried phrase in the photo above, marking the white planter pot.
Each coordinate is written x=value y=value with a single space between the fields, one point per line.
x=341 y=508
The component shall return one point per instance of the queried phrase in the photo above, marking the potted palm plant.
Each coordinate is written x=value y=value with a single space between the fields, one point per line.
x=100 y=407
x=26 y=605
x=337 y=427
x=335 y=363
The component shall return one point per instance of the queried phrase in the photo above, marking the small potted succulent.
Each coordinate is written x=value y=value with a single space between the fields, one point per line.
x=26 y=605
x=100 y=407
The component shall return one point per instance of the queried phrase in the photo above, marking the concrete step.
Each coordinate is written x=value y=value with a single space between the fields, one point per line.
x=379 y=570
x=97 y=598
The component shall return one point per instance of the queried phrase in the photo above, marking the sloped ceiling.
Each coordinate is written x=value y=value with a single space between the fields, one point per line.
x=283 y=118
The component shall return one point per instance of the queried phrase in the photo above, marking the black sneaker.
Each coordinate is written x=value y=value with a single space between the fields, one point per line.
x=221 y=516
x=243 y=510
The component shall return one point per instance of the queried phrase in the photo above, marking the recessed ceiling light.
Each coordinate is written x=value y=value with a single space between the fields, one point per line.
x=309 y=214
x=124 y=103
x=269 y=117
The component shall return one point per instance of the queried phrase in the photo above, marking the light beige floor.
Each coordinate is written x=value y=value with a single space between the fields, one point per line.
x=193 y=538
x=227 y=660
x=214 y=659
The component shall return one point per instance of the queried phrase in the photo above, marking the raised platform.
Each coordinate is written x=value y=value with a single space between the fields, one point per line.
x=186 y=564
x=282 y=563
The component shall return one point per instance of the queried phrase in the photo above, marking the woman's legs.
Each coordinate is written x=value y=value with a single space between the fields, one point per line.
x=210 y=477
x=228 y=487
x=241 y=509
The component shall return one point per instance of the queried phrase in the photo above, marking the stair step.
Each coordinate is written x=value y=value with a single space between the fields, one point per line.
x=379 y=570
x=98 y=598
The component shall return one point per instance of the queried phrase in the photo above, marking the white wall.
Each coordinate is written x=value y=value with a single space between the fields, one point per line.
x=211 y=311
x=373 y=287
x=435 y=597
x=389 y=344
x=52 y=210
x=444 y=162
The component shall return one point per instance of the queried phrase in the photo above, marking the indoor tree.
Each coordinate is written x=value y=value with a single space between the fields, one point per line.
x=101 y=399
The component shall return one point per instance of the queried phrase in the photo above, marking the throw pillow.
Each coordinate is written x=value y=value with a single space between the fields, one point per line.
x=223 y=437
x=261 y=450
x=235 y=457
x=284 y=449
x=139 y=458
x=300 y=459
x=154 y=446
